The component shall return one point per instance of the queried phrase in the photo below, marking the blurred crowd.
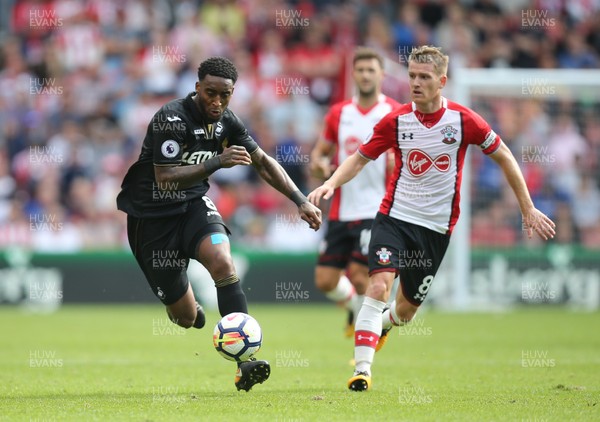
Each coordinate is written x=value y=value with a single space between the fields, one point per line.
x=81 y=79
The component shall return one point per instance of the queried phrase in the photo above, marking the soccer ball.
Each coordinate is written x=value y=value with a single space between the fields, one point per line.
x=237 y=337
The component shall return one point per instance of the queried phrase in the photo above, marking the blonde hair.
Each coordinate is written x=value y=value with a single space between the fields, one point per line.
x=430 y=54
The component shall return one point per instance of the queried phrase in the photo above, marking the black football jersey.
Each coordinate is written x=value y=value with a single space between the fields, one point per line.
x=177 y=135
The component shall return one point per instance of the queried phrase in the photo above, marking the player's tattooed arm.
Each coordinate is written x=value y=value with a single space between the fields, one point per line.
x=272 y=172
x=184 y=177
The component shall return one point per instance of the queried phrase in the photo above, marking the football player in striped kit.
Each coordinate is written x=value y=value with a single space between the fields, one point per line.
x=342 y=272
x=412 y=229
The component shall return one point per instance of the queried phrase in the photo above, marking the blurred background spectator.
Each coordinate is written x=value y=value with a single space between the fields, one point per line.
x=81 y=79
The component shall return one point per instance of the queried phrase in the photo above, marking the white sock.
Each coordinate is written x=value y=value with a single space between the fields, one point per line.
x=389 y=318
x=343 y=292
x=366 y=335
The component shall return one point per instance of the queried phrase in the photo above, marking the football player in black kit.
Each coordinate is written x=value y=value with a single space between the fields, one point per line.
x=169 y=217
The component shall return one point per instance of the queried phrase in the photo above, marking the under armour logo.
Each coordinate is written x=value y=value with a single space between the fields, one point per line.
x=419 y=297
x=407 y=135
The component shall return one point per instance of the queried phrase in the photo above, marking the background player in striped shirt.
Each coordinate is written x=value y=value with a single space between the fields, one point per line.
x=342 y=271
x=412 y=230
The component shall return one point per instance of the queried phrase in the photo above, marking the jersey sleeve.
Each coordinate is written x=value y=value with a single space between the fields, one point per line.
x=332 y=123
x=479 y=132
x=381 y=139
x=239 y=135
x=167 y=131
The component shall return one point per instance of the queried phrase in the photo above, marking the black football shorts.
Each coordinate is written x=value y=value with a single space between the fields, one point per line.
x=163 y=246
x=345 y=241
x=412 y=251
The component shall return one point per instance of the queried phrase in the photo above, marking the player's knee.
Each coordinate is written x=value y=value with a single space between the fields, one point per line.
x=327 y=278
x=325 y=284
x=360 y=284
x=377 y=289
x=221 y=265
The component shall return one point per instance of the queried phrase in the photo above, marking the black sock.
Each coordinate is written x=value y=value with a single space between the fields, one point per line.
x=231 y=299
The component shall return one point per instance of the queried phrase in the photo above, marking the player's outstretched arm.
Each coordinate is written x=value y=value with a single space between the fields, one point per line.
x=320 y=159
x=344 y=173
x=275 y=175
x=533 y=219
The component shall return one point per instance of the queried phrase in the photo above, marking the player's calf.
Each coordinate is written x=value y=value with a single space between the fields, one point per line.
x=183 y=319
x=398 y=314
x=187 y=318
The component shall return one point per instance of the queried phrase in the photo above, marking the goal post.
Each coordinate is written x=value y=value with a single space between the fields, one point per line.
x=547 y=85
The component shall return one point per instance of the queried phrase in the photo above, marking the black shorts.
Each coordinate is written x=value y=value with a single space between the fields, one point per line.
x=346 y=241
x=163 y=246
x=414 y=252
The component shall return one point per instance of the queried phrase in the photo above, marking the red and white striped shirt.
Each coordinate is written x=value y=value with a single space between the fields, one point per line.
x=348 y=126
x=429 y=151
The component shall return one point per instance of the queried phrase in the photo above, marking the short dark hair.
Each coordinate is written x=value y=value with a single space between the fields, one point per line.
x=366 y=53
x=218 y=66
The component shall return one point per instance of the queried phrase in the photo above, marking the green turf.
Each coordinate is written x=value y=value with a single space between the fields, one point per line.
x=126 y=363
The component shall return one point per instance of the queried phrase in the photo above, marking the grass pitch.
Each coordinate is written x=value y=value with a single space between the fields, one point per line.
x=128 y=363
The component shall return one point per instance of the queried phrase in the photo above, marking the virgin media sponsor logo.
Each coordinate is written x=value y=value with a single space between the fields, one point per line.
x=420 y=162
